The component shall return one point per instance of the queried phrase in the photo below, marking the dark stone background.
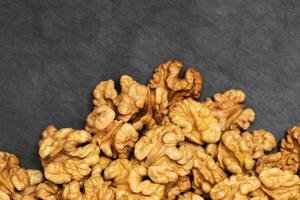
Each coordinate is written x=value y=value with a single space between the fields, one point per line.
x=53 y=53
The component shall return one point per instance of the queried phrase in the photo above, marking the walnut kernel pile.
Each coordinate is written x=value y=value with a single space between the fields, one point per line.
x=156 y=141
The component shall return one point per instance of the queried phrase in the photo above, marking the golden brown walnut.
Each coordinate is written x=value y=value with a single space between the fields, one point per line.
x=105 y=94
x=196 y=121
x=280 y=184
x=144 y=118
x=111 y=135
x=127 y=178
x=125 y=139
x=92 y=188
x=289 y=156
x=172 y=190
x=15 y=182
x=236 y=187
x=48 y=191
x=65 y=156
x=206 y=172
x=131 y=99
x=212 y=150
x=190 y=196
x=164 y=158
x=102 y=124
x=168 y=88
x=282 y=160
x=101 y=117
x=238 y=152
x=134 y=103
x=228 y=108
x=291 y=145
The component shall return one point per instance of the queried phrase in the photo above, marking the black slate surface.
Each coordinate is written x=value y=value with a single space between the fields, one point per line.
x=53 y=53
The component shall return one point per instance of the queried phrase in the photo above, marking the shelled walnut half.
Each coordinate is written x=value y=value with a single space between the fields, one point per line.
x=15 y=182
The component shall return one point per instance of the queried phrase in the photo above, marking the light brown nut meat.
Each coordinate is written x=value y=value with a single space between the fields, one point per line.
x=289 y=156
x=131 y=99
x=16 y=182
x=280 y=184
x=95 y=188
x=48 y=191
x=92 y=187
x=168 y=88
x=111 y=135
x=172 y=190
x=144 y=118
x=206 y=172
x=196 y=121
x=127 y=178
x=238 y=152
x=291 y=145
x=102 y=124
x=282 y=160
x=227 y=107
x=125 y=139
x=101 y=117
x=144 y=187
x=236 y=187
x=190 y=196
x=63 y=157
x=212 y=150
x=105 y=94
x=165 y=159
x=134 y=103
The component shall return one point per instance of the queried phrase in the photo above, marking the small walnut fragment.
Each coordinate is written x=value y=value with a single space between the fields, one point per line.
x=62 y=156
x=168 y=88
x=289 y=156
x=16 y=182
x=134 y=103
x=48 y=191
x=238 y=152
x=105 y=94
x=91 y=188
x=206 y=172
x=164 y=160
x=172 y=190
x=128 y=184
x=102 y=124
x=112 y=136
x=196 y=121
x=235 y=188
x=291 y=145
x=280 y=184
x=190 y=196
x=227 y=107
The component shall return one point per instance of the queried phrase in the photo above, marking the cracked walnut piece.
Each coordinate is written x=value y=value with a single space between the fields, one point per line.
x=196 y=121
x=280 y=184
x=238 y=152
x=63 y=157
x=236 y=187
x=93 y=187
x=130 y=101
x=168 y=88
x=17 y=183
x=289 y=156
x=190 y=196
x=230 y=111
x=165 y=159
x=206 y=172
